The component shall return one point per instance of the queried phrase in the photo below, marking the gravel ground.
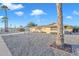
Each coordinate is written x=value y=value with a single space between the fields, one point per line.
x=36 y=44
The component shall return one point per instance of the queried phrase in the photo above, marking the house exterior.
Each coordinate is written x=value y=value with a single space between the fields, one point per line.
x=51 y=28
x=68 y=28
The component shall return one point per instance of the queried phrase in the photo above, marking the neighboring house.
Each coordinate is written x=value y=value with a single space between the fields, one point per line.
x=76 y=29
x=51 y=28
x=35 y=29
x=68 y=28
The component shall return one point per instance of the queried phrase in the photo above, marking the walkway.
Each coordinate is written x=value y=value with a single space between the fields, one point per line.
x=4 y=51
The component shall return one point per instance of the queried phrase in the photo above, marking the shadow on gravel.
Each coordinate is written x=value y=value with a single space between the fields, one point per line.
x=34 y=44
x=75 y=49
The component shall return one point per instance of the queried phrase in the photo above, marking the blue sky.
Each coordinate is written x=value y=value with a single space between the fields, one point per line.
x=40 y=13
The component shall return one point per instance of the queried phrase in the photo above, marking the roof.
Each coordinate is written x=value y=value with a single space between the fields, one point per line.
x=50 y=25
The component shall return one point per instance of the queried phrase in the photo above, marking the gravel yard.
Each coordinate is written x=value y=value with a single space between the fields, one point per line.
x=36 y=44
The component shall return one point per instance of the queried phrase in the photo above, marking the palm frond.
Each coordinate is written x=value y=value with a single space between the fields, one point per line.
x=4 y=7
x=5 y=17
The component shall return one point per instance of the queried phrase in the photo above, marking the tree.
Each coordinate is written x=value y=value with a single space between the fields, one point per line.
x=5 y=18
x=60 y=39
x=31 y=24
x=21 y=29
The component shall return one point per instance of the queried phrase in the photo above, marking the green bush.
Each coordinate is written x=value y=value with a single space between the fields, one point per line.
x=21 y=29
x=53 y=33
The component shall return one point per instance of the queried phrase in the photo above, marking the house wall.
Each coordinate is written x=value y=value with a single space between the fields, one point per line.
x=35 y=29
x=43 y=29
x=48 y=29
x=32 y=29
x=69 y=30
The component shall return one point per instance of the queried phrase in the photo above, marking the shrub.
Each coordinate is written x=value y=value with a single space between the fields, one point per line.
x=21 y=29
x=53 y=33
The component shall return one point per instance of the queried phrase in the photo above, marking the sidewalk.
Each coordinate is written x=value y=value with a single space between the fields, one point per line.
x=6 y=34
x=4 y=51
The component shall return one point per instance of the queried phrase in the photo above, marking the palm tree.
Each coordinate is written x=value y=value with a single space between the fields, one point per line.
x=60 y=39
x=5 y=18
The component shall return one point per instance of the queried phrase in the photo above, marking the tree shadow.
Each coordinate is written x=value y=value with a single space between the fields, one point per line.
x=75 y=49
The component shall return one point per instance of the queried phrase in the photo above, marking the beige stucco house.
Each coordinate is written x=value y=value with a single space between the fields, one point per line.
x=51 y=28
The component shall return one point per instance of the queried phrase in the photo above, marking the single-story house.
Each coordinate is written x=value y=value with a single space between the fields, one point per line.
x=51 y=28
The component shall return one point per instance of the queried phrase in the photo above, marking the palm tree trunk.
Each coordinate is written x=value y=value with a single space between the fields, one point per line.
x=6 y=25
x=6 y=21
x=60 y=39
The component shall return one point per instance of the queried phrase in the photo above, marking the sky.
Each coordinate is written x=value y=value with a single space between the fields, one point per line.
x=39 y=13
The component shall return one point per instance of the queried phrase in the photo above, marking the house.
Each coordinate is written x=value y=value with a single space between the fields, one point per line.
x=68 y=28
x=75 y=29
x=51 y=28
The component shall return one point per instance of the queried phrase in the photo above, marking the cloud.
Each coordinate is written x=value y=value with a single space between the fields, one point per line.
x=1 y=17
x=37 y=12
x=19 y=13
x=76 y=12
x=28 y=1
x=13 y=6
x=69 y=17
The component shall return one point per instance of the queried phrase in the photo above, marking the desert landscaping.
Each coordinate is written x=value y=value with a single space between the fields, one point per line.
x=37 y=44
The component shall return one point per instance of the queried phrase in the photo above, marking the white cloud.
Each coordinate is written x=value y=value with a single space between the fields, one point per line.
x=1 y=17
x=69 y=17
x=37 y=12
x=19 y=13
x=29 y=1
x=76 y=12
x=13 y=6
x=39 y=1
